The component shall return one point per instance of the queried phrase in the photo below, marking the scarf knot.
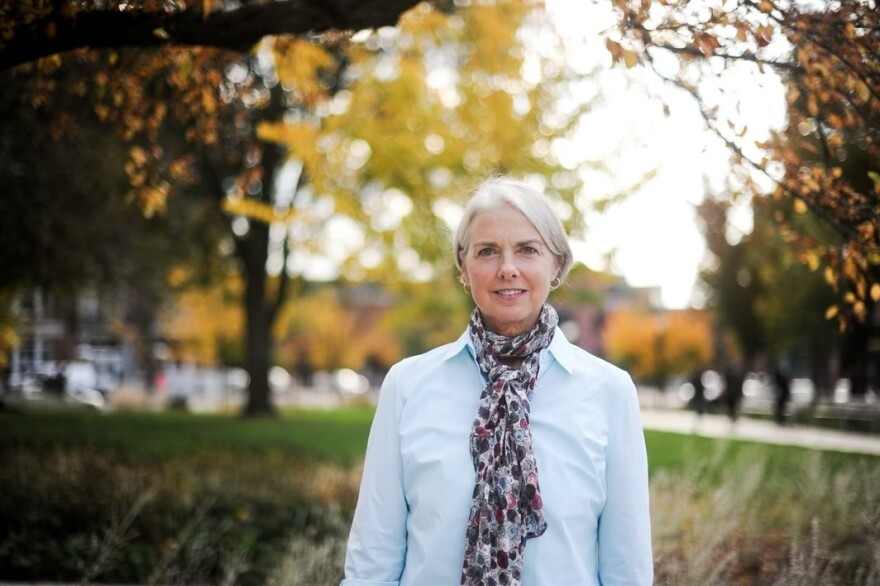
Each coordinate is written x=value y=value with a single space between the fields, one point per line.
x=507 y=506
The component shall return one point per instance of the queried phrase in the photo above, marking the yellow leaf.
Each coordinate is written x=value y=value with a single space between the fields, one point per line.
x=875 y=292
x=829 y=276
x=630 y=59
x=138 y=155
x=863 y=92
x=831 y=312
x=300 y=63
x=812 y=105
x=800 y=207
x=859 y=309
x=209 y=103
x=256 y=210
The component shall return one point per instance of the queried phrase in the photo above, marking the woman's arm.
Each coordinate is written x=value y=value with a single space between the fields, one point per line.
x=377 y=542
x=625 y=523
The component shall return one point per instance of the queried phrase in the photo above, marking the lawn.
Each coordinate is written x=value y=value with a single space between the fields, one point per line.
x=177 y=498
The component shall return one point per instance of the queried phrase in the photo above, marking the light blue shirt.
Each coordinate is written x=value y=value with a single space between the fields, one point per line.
x=415 y=495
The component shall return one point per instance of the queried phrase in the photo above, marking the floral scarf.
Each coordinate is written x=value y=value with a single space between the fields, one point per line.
x=507 y=505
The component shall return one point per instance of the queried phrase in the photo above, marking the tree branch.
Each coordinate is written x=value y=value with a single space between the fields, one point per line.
x=237 y=29
x=841 y=229
x=693 y=52
x=283 y=277
x=820 y=43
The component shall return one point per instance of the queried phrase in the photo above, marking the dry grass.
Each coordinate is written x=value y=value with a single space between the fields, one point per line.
x=756 y=527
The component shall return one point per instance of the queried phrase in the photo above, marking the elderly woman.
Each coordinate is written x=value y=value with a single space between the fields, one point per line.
x=510 y=456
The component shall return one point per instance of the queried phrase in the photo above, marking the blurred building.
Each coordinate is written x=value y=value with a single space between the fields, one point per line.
x=586 y=300
x=76 y=334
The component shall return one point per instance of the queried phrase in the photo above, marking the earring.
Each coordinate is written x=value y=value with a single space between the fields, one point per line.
x=557 y=281
x=465 y=287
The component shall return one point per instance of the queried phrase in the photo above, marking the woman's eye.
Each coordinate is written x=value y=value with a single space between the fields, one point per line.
x=484 y=252
x=529 y=250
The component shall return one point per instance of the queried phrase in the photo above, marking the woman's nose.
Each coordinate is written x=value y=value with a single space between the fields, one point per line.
x=508 y=267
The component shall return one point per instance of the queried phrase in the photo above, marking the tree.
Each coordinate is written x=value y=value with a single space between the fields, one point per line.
x=323 y=334
x=434 y=106
x=32 y=30
x=734 y=283
x=774 y=304
x=64 y=232
x=8 y=337
x=653 y=346
x=826 y=54
x=204 y=323
x=435 y=313
x=303 y=136
x=396 y=150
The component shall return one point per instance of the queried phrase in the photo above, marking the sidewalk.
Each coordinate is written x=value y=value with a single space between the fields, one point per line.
x=720 y=426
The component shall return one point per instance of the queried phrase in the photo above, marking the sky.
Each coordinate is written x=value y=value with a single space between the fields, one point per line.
x=652 y=238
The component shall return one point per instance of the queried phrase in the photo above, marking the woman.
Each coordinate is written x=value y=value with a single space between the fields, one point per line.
x=509 y=457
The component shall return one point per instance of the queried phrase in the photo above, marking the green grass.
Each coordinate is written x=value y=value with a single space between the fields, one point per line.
x=178 y=498
x=338 y=436
x=674 y=452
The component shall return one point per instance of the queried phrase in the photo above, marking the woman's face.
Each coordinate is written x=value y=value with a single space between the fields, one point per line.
x=509 y=269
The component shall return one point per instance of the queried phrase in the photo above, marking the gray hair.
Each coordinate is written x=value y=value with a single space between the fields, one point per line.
x=533 y=204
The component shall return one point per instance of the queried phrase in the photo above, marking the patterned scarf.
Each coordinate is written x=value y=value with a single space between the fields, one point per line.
x=507 y=504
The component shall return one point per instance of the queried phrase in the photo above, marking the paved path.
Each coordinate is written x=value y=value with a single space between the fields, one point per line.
x=760 y=431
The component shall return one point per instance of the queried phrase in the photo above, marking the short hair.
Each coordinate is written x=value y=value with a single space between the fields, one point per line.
x=533 y=204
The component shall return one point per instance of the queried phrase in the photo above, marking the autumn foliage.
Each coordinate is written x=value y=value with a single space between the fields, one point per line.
x=826 y=160
x=378 y=136
x=653 y=346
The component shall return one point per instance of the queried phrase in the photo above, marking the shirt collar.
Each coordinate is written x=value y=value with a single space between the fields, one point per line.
x=463 y=341
x=560 y=348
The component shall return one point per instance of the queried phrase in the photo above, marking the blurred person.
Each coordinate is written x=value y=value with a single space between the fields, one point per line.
x=510 y=456
x=782 y=386
x=733 y=390
x=698 y=401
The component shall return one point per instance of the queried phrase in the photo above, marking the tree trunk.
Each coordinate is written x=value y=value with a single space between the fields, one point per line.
x=258 y=321
x=142 y=316
x=253 y=250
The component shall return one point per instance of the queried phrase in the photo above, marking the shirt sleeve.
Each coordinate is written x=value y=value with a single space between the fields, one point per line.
x=625 y=555
x=377 y=542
